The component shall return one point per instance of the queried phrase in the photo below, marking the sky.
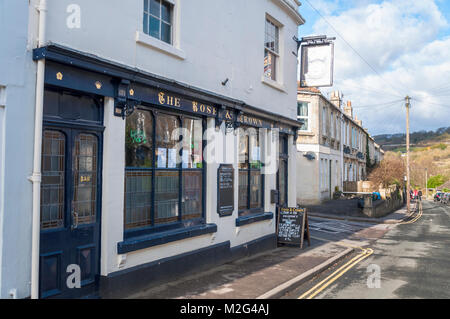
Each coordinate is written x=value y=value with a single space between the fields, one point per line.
x=384 y=51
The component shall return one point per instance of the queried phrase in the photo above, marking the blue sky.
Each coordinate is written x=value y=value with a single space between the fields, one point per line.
x=311 y=16
x=406 y=42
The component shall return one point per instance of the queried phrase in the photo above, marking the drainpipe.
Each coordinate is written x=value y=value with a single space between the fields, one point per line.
x=36 y=177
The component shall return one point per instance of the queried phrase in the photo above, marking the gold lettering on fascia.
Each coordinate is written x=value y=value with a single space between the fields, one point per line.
x=251 y=120
x=228 y=115
x=206 y=109
x=165 y=99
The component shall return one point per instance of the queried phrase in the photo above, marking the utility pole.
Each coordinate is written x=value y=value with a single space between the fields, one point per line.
x=408 y=182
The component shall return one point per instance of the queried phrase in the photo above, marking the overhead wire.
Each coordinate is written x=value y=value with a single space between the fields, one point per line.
x=378 y=104
x=353 y=49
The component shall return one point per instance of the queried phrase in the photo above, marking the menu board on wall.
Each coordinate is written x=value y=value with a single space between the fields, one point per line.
x=225 y=190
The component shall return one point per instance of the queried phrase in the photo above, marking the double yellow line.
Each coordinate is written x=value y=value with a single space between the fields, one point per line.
x=365 y=253
x=418 y=216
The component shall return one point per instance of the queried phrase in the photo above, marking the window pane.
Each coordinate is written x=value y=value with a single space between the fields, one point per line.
x=167 y=138
x=271 y=36
x=193 y=143
x=255 y=149
x=85 y=178
x=146 y=5
x=138 y=140
x=146 y=23
x=303 y=109
x=155 y=8
x=283 y=149
x=166 y=32
x=138 y=197
x=269 y=65
x=243 y=148
x=192 y=194
x=52 y=186
x=154 y=27
x=304 y=124
x=255 y=189
x=243 y=189
x=165 y=12
x=166 y=197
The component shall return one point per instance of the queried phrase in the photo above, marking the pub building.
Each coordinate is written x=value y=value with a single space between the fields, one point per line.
x=145 y=179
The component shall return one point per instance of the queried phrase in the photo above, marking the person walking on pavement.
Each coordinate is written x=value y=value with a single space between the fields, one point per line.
x=420 y=195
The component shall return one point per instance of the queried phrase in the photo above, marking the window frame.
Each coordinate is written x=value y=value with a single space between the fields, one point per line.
x=160 y=19
x=302 y=117
x=275 y=52
x=152 y=227
x=249 y=210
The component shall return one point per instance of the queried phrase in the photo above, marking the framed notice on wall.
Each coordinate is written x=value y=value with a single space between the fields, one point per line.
x=225 y=190
x=292 y=226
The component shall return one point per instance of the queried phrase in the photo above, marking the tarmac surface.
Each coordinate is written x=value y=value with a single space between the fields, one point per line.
x=410 y=260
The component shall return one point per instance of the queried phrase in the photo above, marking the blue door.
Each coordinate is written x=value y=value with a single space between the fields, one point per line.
x=70 y=208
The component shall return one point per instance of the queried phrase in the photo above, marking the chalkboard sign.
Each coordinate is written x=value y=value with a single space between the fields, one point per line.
x=292 y=226
x=225 y=190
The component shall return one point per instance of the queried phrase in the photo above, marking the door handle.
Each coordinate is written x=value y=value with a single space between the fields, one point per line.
x=75 y=220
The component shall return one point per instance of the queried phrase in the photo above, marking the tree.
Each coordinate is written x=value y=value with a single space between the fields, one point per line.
x=390 y=171
x=436 y=181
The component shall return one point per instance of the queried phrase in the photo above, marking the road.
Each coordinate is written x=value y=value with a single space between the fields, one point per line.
x=403 y=261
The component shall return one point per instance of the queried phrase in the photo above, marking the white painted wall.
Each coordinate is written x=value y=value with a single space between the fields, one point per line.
x=216 y=40
x=2 y=167
x=225 y=150
x=18 y=75
x=313 y=187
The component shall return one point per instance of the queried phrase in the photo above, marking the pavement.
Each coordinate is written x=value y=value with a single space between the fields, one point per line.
x=263 y=276
x=275 y=273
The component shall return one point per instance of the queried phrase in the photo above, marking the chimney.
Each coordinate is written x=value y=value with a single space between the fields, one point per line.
x=359 y=122
x=336 y=99
x=348 y=110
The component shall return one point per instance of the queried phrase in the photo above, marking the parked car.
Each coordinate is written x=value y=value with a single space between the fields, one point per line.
x=445 y=198
x=437 y=197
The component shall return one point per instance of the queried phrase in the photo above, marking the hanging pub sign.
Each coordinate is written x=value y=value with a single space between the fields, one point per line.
x=317 y=62
x=225 y=190
x=293 y=227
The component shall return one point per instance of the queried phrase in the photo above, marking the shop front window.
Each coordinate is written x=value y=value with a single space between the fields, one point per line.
x=250 y=176
x=164 y=169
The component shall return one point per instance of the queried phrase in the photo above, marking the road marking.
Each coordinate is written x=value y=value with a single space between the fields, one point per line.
x=415 y=219
x=337 y=274
x=365 y=253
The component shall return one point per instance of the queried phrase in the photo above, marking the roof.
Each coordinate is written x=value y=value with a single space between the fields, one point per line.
x=445 y=185
x=307 y=89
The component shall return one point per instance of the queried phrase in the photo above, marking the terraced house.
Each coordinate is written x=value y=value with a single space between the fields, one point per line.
x=137 y=139
x=331 y=147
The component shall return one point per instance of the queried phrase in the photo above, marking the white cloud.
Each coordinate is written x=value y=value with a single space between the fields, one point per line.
x=398 y=38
